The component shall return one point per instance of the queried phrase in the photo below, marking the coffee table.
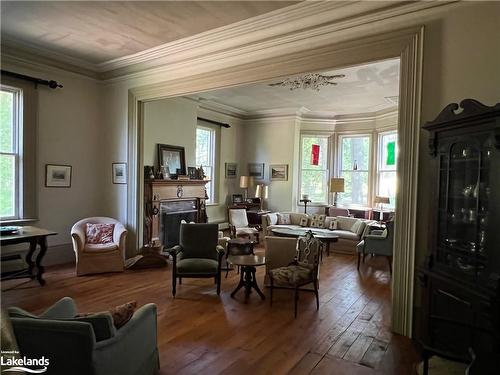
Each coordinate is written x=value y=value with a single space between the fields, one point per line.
x=248 y=263
x=325 y=238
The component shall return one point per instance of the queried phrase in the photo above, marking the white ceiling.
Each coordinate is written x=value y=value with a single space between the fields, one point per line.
x=99 y=31
x=363 y=90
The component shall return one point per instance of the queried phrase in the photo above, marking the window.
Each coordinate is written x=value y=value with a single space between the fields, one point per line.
x=314 y=173
x=10 y=128
x=205 y=156
x=386 y=166
x=354 y=166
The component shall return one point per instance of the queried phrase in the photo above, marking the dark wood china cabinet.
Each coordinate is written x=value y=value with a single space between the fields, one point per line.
x=460 y=316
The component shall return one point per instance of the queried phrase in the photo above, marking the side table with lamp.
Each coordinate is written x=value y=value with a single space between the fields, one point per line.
x=336 y=186
x=380 y=200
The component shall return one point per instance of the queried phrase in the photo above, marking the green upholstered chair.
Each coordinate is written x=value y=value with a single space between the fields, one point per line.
x=88 y=345
x=378 y=243
x=198 y=254
x=301 y=272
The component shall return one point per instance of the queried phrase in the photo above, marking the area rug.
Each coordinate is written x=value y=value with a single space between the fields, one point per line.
x=441 y=366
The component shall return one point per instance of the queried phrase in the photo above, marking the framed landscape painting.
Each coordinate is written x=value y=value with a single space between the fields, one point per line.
x=256 y=170
x=57 y=175
x=278 y=172
x=119 y=173
x=231 y=170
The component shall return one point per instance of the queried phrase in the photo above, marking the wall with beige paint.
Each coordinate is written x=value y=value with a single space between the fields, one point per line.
x=69 y=132
x=272 y=141
x=173 y=121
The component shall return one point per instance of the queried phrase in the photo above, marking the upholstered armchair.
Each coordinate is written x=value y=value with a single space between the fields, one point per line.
x=379 y=242
x=238 y=223
x=198 y=254
x=301 y=272
x=98 y=258
x=88 y=345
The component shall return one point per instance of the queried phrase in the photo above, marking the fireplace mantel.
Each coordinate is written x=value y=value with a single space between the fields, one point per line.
x=157 y=192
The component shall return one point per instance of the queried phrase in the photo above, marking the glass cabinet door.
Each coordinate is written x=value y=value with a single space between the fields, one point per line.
x=463 y=206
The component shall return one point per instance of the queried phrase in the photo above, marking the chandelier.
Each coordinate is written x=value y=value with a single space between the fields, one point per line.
x=308 y=81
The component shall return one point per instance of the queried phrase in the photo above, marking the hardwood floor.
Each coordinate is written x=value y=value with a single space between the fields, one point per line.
x=200 y=332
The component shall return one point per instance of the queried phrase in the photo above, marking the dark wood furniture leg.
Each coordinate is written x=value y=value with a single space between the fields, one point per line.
x=29 y=256
x=249 y=281
x=241 y=284
x=42 y=241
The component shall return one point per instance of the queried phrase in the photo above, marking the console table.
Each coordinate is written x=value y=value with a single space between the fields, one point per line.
x=34 y=236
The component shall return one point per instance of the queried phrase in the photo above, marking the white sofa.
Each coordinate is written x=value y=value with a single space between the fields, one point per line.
x=350 y=230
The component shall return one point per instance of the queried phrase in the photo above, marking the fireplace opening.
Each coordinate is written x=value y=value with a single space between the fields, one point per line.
x=171 y=215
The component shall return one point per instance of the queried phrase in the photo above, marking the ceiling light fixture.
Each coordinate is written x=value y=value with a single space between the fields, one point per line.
x=308 y=81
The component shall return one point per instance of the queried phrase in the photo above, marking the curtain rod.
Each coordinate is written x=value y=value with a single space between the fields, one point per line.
x=214 y=122
x=37 y=81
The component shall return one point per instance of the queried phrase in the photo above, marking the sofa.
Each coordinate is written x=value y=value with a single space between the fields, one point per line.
x=350 y=230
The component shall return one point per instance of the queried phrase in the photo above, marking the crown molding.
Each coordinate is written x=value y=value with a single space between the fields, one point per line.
x=304 y=24
x=20 y=51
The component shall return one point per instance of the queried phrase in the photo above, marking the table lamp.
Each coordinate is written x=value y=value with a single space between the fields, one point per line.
x=262 y=192
x=244 y=183
x=381 y=200
x=336 y=186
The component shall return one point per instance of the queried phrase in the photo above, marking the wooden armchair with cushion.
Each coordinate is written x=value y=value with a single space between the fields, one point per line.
x=198 y=254
x=238 y=223
x=105 y=252
x=301 y=272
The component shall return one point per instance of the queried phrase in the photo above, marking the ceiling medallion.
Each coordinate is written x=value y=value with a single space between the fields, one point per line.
x=308 y=81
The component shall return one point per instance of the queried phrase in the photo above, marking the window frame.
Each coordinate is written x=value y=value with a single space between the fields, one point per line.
x=340 y=138
x=16 y=150
x=379 y=170
x=213 y=159
x=327 y=136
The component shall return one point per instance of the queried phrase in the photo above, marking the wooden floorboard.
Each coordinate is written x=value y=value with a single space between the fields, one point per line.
x=200 y=332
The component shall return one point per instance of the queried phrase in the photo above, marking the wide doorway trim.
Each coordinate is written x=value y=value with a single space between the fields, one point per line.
x=405 y=44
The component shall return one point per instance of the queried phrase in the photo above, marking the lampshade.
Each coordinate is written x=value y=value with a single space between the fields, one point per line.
x=336 y=185
x=383 y=200
x=262 y=191
x=244 y=182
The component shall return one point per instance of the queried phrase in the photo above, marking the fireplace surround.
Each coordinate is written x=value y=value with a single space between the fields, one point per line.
x=167 y=203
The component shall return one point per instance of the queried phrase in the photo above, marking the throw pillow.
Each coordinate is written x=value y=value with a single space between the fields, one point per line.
x=321 y=221
x=99 y=233
x=284 y=219
x=101 y=324
x=123 y=313
x=314 y=221
x=304 y=222
x=272 y=219
x=355 y=226
x=333 y=224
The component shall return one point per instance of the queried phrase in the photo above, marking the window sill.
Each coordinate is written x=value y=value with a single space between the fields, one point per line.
x=313 y=204
x=18 y=221
x=211 y=204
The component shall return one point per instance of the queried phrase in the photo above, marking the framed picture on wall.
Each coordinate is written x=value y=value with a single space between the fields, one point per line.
x=231 y=170
x=256 y=170
x=278 y=172
x=119 y=173
x=173 y=157
x=58 y=175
